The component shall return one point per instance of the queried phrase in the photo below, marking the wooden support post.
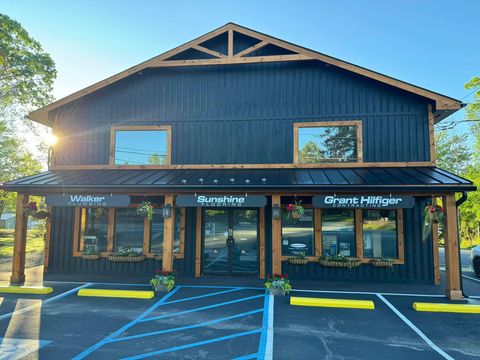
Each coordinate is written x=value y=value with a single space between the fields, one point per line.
x=436 y=254
x=276 y=239
x=20 y=241
x=452 y=269
x=198 y=244
x=48 y=235
x=168 y=234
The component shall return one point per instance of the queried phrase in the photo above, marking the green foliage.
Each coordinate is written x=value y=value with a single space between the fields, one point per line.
x=35 y=241
x=127 y=251
x=145 y=209
x=279 y=281
x=164 y=277
x=26 y=71
x=452 y=152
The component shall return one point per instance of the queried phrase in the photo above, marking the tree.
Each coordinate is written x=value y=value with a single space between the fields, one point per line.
x=452 y=152
x=15 y=162
x=26 y=71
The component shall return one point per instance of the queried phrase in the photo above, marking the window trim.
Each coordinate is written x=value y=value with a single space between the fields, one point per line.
x=114 y=129
x=298 y=125
x=77 y=234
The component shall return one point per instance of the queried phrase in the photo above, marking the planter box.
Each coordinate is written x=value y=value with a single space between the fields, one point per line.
x=161 y=288
x=91 y=257
x=158 y=257
x=131 y=259
x=341 y=264
x=297 y=261
x=276 y=291
x=381 y=263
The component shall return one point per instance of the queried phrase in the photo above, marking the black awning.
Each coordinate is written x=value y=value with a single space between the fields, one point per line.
x=340 y=179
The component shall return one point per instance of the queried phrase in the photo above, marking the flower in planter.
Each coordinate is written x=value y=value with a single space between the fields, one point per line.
x=294 y=211
x=30 y=209
x=145 y=209
x=279 y=282
x=433 y=214
x=127 y=251
x=163 y=277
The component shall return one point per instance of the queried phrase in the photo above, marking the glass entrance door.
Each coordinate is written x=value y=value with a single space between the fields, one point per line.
x=230 y=241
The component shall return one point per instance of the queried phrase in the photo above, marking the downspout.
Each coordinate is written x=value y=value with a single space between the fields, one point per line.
x=459 y=202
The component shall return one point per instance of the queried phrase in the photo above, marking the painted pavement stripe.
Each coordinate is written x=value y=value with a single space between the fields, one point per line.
x=471 y=278
x=207 y=323
x=200 y=343
x=44 y=302
x=263 y=336
x=247 y=357
x=414 y=328
x=105 y=340
x=201 y=308
x=269 y=347
x=203 y=296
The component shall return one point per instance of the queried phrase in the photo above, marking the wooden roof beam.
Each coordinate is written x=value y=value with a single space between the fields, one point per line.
x=232 y=60
x=251 y=49
x=208 y=51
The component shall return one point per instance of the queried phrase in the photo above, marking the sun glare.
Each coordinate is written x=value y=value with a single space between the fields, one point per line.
x=52 y=139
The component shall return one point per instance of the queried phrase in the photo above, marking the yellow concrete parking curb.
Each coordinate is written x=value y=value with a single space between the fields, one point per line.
x=334 y=303
x=449 y=308
x=130 y=294
x=37 y=290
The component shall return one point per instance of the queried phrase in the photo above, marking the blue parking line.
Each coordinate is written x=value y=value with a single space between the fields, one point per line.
x=187 y=346
x=262 y=345
x=247 y=357
x=203 y=296
x=201 y=308
x=207 y=323
x=105 y=340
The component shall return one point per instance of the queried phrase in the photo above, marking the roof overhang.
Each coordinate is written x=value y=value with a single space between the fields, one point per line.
x=443 y=105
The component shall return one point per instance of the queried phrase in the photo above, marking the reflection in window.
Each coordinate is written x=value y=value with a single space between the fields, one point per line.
x=156 y=232
x=380 y=234
x=298 y=235
x=141 y=147
x=327 y=144
x=338 y=232
x=94 y=230
x=128 y=229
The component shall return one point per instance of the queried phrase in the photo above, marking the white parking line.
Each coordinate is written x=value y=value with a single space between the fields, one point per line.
x=471 y=278
x=365 y=293
x=414 y=328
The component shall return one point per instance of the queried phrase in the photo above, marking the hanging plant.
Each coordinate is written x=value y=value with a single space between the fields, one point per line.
x=294 y=211
x=99 y=212
x=30 y=209
x=433 y=214
x=145 y=209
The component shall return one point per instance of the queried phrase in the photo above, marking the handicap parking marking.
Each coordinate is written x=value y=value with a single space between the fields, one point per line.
x=415 y=328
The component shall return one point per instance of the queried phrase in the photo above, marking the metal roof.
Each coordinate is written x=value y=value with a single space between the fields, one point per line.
x=342 y=179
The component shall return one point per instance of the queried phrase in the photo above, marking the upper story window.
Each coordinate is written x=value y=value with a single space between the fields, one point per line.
x=140 y=145
x=328 y=142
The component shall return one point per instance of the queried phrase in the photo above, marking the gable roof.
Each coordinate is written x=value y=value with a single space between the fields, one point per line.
x=200 y=52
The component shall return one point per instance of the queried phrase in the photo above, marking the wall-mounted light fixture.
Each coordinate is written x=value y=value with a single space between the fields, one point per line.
x=167 y=211
x=276 y=211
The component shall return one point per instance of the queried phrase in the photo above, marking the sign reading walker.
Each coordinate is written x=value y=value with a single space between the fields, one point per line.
x=97 y=200
x=363 y=201
x=220 y=201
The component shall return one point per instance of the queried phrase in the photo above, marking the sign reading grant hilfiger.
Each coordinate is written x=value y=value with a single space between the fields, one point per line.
x=363 y=201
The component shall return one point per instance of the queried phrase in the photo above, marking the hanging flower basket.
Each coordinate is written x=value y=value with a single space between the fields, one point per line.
x=294 y=211
x=339 y=262
x=433 y=214
x=145 y=209
x=30 y=209
x=382 y=263
x=41 y=215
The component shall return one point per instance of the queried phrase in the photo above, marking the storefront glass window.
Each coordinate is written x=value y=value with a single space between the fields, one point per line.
x=327 y=144
x=129 y=229
x=141 y=147
x=156 y=232
x=380 y=234
x=298 y=235
x=338 y=232
x=94 y=230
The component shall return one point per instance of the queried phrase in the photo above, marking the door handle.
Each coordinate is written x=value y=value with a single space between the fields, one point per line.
x=230 y=232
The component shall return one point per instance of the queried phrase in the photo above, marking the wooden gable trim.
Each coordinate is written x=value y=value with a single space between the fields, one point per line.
x=442 y=102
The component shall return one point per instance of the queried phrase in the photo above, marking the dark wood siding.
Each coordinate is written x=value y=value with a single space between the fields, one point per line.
x=244 y=113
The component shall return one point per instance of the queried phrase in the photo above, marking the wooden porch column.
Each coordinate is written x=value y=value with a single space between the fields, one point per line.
x=168 y=234
x=20 y=241
x=276 y=239
x=452 y=290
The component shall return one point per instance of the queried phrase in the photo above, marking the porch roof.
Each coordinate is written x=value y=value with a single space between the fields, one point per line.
x=381 y=179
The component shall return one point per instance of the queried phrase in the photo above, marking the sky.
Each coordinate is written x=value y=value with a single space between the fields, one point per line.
x=430 y=43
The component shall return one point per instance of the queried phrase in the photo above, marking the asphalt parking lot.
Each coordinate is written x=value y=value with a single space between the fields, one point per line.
x=219 y=322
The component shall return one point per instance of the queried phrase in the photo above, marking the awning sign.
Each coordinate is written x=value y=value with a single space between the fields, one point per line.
x=220 y=201
x=363 y=202
x=88 y=200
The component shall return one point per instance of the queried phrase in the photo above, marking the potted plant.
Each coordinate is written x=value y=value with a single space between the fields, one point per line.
x=339 y=261
x=126 y=254
x=30 y=209
x=145 y=209
x=433 y=214
x=382 y=263
x=298 y=259
x=278 y=284
x=163 y=281
x=294 y=211
x=91 y=255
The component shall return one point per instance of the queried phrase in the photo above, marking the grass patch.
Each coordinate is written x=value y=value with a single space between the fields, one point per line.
x=35 y=241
